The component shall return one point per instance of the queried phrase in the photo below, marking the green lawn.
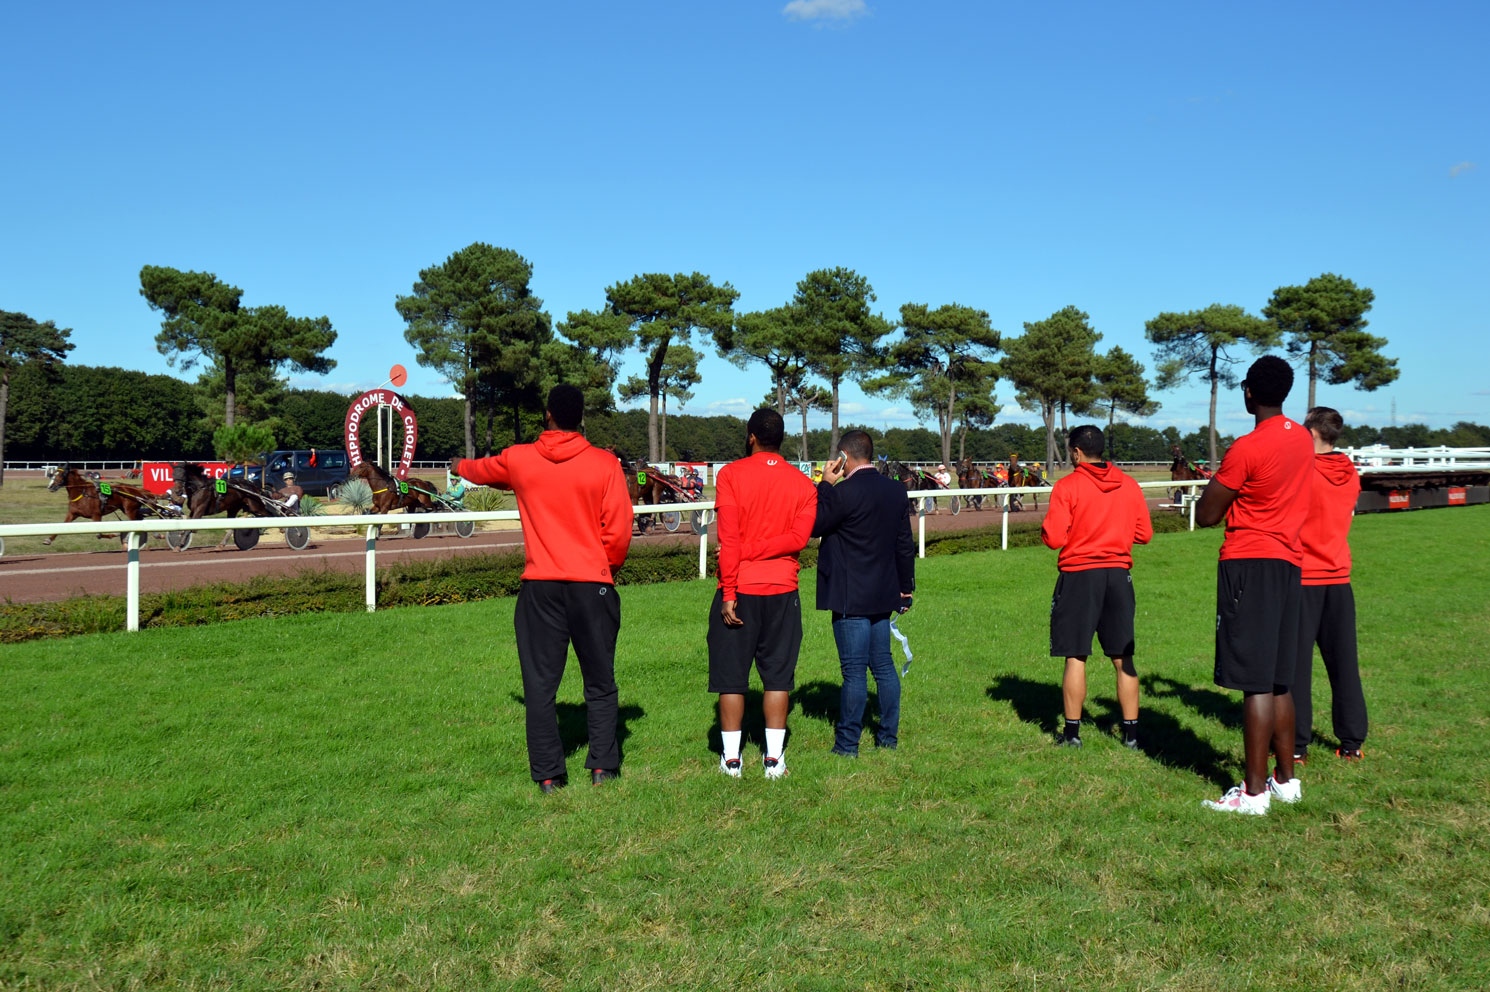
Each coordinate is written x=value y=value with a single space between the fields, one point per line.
x=341 y=801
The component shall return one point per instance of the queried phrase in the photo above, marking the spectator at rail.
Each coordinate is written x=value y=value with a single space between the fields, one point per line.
x=1262 y=492
x=766 y=509
x=577 y=520
x=1096 y=515
x=1327 y=617
x=866 y=573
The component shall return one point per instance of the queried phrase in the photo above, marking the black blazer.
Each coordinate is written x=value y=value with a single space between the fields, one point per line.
x=867 y=558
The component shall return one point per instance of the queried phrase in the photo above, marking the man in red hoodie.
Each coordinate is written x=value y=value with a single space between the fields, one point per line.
x=1262 y=492
x=1096 y=515
x=1327 y=616
x=576 y=518
x=766 y=508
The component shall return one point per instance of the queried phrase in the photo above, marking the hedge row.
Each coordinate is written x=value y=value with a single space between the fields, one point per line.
x=463 y=579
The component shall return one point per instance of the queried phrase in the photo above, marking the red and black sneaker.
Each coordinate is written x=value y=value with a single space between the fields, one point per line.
x=550 y=784
x=1349 y=753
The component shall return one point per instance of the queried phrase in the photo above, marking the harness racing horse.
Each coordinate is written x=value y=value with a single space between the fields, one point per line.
x=1021 y=476
x=203 y=496
x=648 y=485
x=1184 y=470
x=916 y=480
x=389 y=494
x=86 y=498
x=970 y=476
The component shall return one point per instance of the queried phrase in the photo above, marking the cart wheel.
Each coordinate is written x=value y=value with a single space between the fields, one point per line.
x=956 y=505
x=928 y=505
x=297 y=537
x=179 y=540
x=246 y=539
x=643 y=523
x=465 y=528
x=699 y=520
x=671 y=521
x=421 y=530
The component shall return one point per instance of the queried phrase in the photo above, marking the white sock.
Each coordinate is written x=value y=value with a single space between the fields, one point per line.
x=775 y=742
x=731 y=743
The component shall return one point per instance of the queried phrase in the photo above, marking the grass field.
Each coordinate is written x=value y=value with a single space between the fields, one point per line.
x=342 y=801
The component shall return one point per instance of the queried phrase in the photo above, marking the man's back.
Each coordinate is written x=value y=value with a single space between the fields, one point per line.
x=867 y=558
x=764 y=504
x=1096 y=515
x=1269 y=470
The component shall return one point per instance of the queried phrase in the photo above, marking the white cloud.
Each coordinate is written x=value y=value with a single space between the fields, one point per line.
x=736 y=407
x=824 y=10
x=1459 y=168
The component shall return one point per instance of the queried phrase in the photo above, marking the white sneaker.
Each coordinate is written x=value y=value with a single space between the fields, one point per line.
x=730 y=766
x=1236 y=800
x=1285 y=792
x=775 y=767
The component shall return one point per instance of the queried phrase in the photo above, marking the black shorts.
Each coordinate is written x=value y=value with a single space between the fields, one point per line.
x=771 y=637
x=1257 y=623
x=1095 y=601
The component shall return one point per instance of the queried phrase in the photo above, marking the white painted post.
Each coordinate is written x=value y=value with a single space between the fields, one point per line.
x=921 y=523
x=1193 y=500
x=372 y=567
x=1005 y=546
x=703 y=554
x=132 y=584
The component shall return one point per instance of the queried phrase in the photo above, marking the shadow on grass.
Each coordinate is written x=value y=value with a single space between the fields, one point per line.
x=574 y=725
x=1160 y=735
x=1225 y=709
x=820 y=701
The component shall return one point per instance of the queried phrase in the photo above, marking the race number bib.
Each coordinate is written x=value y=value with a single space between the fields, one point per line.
x=641 y=478
x=104 y=489
x=403 y=488
x=220 y=486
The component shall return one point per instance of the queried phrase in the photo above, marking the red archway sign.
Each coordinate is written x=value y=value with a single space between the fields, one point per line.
x=367 y=405
x=398 y=375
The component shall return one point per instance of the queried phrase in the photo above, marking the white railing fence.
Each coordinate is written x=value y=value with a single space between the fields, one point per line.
x=133 y=529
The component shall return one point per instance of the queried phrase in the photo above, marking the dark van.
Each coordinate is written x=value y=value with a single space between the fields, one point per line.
x=315 y=469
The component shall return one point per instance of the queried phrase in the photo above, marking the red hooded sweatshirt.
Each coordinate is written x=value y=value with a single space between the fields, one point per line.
x=1333 y=491
x=572 y=496
x=1096 y=515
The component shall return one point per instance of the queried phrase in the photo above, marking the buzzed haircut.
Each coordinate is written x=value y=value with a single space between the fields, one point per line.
x=566 y=404
x=1327 y=422
x=768 y=427
x=858 y=445
x=1088 y=439
x=1270 y=378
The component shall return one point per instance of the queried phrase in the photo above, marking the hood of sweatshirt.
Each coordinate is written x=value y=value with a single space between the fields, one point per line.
x=560 y=446
x=1105 y=477
x=1336 y=467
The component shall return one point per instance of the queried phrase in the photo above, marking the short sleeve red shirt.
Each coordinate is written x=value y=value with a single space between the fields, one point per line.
x=1270 y=469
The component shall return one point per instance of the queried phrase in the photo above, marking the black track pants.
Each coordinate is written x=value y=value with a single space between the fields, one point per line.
x=549 y=617
x=1327 y=618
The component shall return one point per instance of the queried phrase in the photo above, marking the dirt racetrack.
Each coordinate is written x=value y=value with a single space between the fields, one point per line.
x=37 y=578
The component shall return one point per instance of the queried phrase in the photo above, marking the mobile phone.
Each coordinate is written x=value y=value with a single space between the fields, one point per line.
x=842 y=461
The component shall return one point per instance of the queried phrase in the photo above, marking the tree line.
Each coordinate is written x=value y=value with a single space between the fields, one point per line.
x=474 y=320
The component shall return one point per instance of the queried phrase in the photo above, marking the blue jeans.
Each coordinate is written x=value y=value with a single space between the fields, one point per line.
x=864 y=645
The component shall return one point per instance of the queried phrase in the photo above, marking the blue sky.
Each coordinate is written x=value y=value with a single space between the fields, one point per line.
x=1124 y=158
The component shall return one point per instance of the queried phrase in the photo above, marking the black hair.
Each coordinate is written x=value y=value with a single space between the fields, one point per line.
x=566 y=404
x=768 y=427
x=1327 y=422
x=1088 y=439
x=1270 y=378
x=857 y=444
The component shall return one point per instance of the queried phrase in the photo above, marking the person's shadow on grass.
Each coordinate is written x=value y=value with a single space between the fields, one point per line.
x=574 y=724
x=1160 y=736
x=1208 y=703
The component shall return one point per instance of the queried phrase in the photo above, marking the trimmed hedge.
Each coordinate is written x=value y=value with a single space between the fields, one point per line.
x=463 y=579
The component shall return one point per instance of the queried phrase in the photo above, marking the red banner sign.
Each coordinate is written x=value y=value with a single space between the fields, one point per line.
x=367 y=405
x=1457 y=496
x=159 y=477
x=1399 y=499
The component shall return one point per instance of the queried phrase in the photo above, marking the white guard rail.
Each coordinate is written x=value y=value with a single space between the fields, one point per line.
x=372 y=521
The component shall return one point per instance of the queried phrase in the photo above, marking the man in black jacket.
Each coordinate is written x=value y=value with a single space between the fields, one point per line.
x=866 y=571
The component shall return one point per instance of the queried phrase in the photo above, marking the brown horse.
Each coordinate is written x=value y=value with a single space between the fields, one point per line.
x=1184 y=470
x=648 y=485
x=87 y=498
x=970 y=476
x=203 y=496
x=1022 y=476
x=389 y=494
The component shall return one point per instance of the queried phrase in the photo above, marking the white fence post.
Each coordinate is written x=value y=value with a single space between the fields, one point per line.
x=921 y=523
x=372 y=567
x=1005 y=545
x=703 y=553
x=132 y=583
